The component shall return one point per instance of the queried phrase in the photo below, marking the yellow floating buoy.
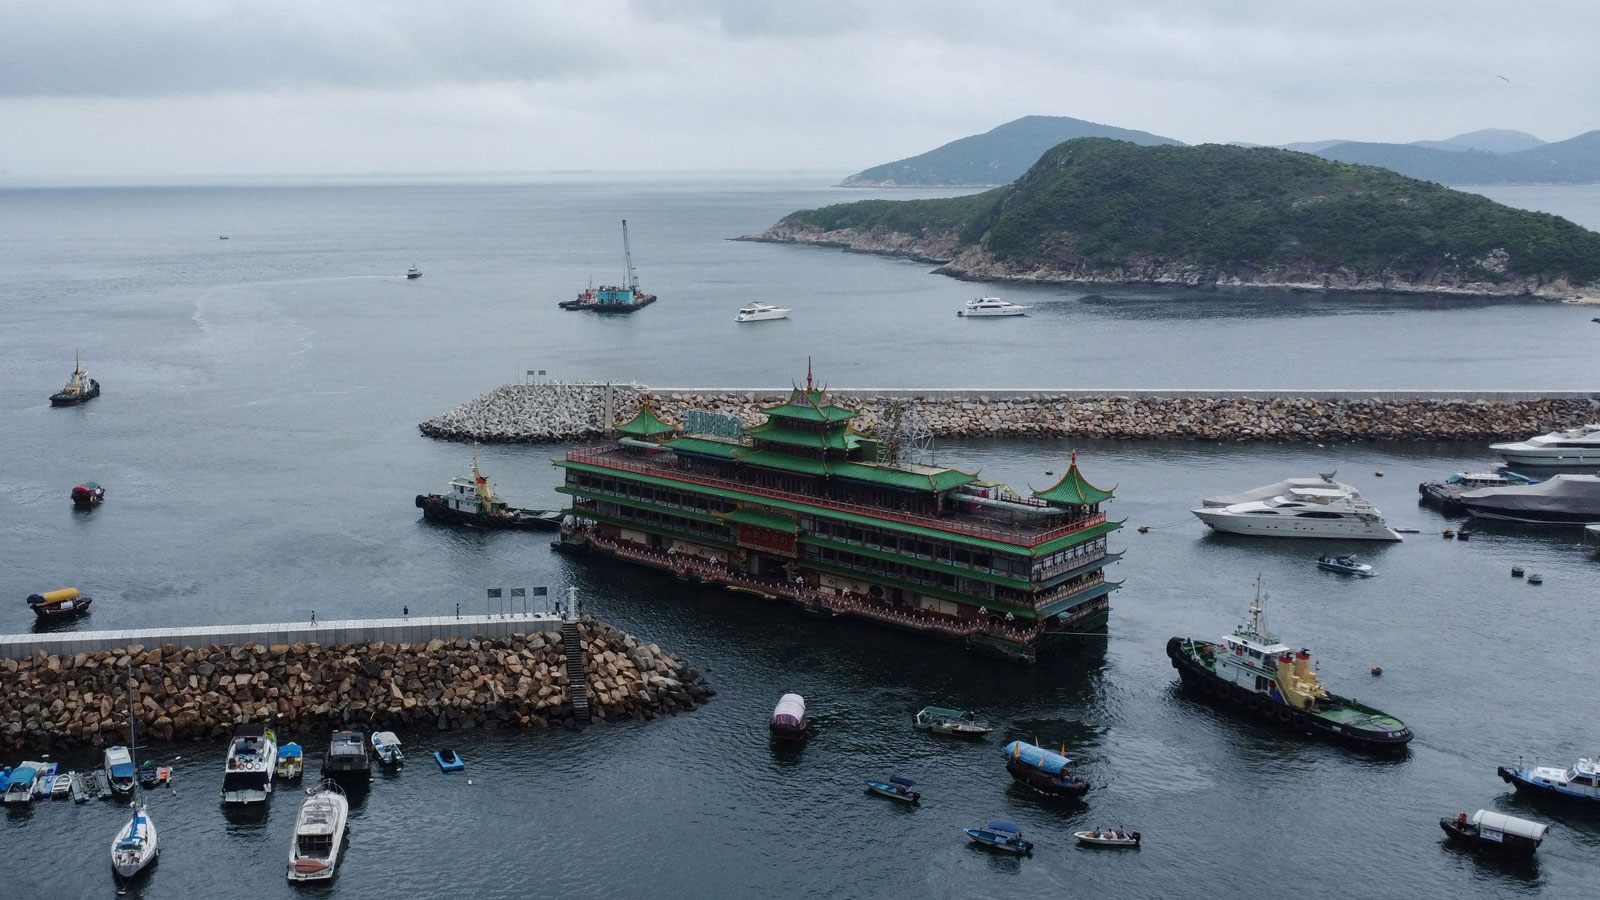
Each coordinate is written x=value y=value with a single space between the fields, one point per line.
x=1377 y=670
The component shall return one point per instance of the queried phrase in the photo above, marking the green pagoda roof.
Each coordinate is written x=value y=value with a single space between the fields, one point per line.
x=646 y=424
x=833 y=439
x=706 y=447
x=811 y=406
x=1073 y=489
x=802 y=464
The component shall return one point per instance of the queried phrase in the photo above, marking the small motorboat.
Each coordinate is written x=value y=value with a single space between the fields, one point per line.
x=386 y=746
x=897 y=788
x=61 y=604
x=757 y=312
x=119 y=770
x=449 y=760
x=152 y=775
x=1535 y=578
x=1495 y=833
x=954 y=722
x=88 y=495
x=1346 y=564
x=19 y=784
x=1116 y=838
x=413 y=273
x=1002 y=836
x=291 y=762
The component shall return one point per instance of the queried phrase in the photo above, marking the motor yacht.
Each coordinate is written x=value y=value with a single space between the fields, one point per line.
x=1330 y=510
x=318 y=834
x=1573 y=447
x=1562 y=500
x=987 y=307
x=1447 y=494
x=759 y=312
x=252 y=761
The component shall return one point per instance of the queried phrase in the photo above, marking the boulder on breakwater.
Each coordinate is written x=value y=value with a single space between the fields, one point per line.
x=189 y=693
x=534 y=413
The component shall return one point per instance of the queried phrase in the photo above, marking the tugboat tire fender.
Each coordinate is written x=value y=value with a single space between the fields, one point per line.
x=1283 y=714
x=1300 y=719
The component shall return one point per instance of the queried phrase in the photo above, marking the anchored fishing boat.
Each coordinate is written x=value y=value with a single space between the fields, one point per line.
x=954 y=722
x=252 y=762
x=1495 y=833
x=80 y=388
x=897 y=788
x=1581 y=782
x=789 y=722
x=1003 y=836
x=61 y=604
x=318 y=833
x=471 y=501
x=1043 y=771
x=1251 y=671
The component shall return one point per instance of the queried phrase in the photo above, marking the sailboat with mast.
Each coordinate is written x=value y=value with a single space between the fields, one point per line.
x=624 y=298
x=135 y=845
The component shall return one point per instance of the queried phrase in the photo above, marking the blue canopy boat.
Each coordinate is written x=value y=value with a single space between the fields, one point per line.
x=19 y=786
x=1043 y=771
x=897 y=788
x=1346 y=564
x=1002 y=836
x=291 y=762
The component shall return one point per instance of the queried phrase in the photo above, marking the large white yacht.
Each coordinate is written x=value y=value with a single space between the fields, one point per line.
x=252 y=760
x=1573 y=447
x=986 y=307
x=758 y=312
x=318 y=834
x=1326 y=509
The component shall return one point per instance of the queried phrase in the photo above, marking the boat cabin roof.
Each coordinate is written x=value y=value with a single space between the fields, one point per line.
x=1263 y=649
x=1493 y=821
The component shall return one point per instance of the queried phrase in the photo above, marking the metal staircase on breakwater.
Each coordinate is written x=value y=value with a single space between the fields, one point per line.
x=577 y=681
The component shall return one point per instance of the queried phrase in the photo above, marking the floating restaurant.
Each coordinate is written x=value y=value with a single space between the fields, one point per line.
x=802 y=507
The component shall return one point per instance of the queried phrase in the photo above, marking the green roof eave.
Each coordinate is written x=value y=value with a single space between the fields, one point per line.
x=1073 y=489
x=771 y=460
x=959 y=572
x=771 y=431
x=646 y=424
x=942 y=480
x=760 y=519
x=811 y=407
x=705 y=447
x=1075 y=538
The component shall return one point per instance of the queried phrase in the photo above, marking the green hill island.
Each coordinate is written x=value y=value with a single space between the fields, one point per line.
x=1101 y=211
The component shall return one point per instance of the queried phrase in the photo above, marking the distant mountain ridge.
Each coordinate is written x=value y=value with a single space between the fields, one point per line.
x=995 y=157
x=1100 y=211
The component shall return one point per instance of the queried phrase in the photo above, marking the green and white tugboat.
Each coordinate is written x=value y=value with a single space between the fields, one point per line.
x=1252 y=672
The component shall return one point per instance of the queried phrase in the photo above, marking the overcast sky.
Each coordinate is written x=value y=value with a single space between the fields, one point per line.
x=129 y=88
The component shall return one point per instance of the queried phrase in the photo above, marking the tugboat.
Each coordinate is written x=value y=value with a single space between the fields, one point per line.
x=88 y=495
x=471 y=501
x=1581 y=782
x=789 y=722
x=1043 y=771
x=625 y=298
x=1495 y=833
x=1251 y=671
x=80 y=388
x=61 y=604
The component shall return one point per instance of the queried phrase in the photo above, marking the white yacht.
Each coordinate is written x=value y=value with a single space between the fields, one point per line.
x=1573 y=447
x=986 y=307
x=760 y=312
x=1327 y=510
x=318 y=834
x=252 y=761
x=134 y=846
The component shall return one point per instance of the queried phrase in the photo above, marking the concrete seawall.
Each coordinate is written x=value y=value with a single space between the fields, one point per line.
x=561 y=412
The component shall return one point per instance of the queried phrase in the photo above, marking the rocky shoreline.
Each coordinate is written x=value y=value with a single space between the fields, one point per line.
x=518 y=413
x=185 y=693
x=975 y=264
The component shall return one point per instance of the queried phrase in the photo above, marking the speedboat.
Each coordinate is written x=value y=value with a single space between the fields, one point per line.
x=1581 y=782
x=1328 y=510
x=1495 y=833
x=318 y=833
x=1346 y=564
x=119 y=769
x=759 y=312
x=990 y=307
x=252 y=761
x=387 y=747
x=955 y=722
x=1447 y=494
x=1117 y=838
x=789 y=722
x=1002 y=836
x=1562 y=500
x=897 y=788
x=135 y=845
x=291 y=762
x=1572 y=447
x=413 y=273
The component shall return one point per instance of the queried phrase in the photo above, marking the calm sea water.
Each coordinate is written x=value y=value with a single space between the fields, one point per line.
x=257 y=439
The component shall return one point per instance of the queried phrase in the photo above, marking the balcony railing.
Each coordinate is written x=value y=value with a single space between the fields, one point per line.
x=1017 y=537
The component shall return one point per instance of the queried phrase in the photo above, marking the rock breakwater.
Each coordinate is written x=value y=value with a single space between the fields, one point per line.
x=513 y=416
x=189 y=693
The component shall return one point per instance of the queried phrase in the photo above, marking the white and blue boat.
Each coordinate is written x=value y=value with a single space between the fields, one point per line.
x=1002 y=836
x=119 y=769
x=1346 y=564
x=386 y=746
x=19 y=784
x=449 y=760
x=291 y=762
x=1581 y=782
x=897 y=788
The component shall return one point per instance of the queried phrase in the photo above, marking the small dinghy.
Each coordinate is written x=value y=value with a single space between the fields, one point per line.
x=1347 y=564
x=386 y=746
x=61 y=788
x=448 y=760
x=1002 y=836
x=953 y=722
x=1117 y=838
x=897 y=788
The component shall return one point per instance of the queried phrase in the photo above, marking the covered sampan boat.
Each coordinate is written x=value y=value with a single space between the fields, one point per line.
x=1043 y=770
x=789 y=720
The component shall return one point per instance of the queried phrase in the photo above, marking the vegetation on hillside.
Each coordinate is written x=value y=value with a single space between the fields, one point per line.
x=1105 y=203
